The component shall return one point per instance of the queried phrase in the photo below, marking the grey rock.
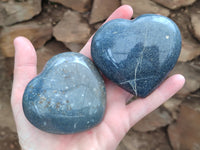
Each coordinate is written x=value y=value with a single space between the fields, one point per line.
x=78 y=5
x=190 y=50
x=128 y=53
x=156 y=140
x=195 y=20
x=67 y=97
x=191 y=75
x=173 y=105
x=175 y=4
x=2 y=15
x=184 y=134
x=157 y=119
x=101 y=9
x=14 y=11
x=72 y=31
x=36 y=33
x=145 y=7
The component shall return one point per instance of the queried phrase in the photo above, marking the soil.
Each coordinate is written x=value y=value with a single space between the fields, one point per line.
x=8 y=139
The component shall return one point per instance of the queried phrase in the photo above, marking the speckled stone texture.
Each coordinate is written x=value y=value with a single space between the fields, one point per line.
x=67 y=97
x=137 y=54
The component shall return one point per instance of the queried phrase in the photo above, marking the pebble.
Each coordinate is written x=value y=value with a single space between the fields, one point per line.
x=67 y=97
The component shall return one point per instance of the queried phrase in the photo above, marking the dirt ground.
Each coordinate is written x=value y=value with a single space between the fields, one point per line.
x=8 y=136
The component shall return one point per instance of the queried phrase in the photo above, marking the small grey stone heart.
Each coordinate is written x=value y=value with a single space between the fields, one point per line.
x=67 y=97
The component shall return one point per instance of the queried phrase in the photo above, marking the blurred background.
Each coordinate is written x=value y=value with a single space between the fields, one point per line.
x=55 y=26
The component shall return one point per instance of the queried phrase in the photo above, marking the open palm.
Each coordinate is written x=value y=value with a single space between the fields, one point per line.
x=118 y=119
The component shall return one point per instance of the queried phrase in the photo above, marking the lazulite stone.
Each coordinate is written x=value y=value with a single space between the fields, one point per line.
x=67 y=97
x=137 y=54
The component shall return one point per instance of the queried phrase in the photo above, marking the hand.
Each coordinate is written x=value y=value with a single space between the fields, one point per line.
x=118 y=119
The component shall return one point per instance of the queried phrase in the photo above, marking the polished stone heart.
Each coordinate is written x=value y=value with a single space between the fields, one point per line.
x=67 y=97
x=137 y=54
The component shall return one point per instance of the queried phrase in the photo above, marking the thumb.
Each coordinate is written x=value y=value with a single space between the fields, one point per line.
x=24 y=69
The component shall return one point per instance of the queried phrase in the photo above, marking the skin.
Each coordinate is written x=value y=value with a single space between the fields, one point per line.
x=118 y=119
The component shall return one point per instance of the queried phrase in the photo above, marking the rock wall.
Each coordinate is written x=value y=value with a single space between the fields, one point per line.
x=55 y=26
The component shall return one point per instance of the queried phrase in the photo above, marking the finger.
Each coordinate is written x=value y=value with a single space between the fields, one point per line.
x=141 y=107
x=24 y=68
x=125 y=12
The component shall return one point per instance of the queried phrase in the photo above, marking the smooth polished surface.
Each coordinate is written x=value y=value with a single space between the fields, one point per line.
x=137 y=54
x=67 y=97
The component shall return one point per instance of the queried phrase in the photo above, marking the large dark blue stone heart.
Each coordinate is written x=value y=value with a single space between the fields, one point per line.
x=137 y=54
x=67 y=97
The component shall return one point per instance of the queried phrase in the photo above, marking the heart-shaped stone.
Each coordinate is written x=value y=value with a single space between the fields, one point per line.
x=137 y=54
x=67 y=97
